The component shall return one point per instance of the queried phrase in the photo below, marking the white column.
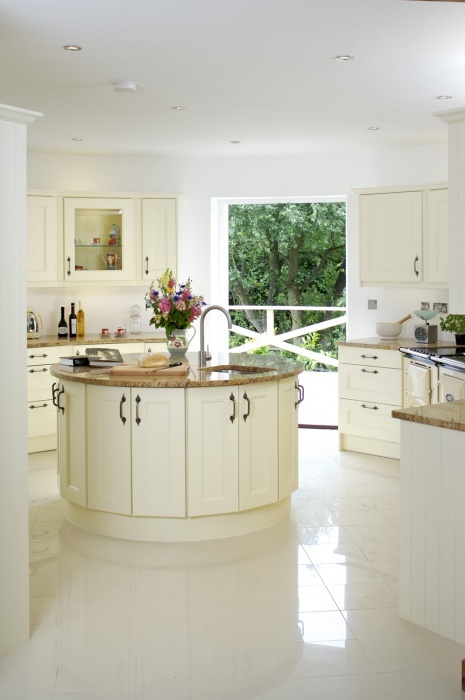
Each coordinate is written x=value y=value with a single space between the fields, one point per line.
x=14 y=566
x=455 y=118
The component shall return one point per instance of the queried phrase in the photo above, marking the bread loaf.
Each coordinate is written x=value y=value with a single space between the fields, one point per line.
x=153 y=359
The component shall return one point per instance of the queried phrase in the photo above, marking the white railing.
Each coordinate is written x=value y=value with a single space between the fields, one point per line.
x=259 y=340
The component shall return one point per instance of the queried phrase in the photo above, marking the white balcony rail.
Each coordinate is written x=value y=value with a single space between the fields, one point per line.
x=259 y=340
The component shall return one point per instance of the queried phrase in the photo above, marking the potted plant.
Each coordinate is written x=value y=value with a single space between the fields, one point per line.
x=454 y=323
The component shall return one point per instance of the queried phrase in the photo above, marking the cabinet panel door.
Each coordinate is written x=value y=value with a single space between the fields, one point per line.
x=72 y=443
x=212 y=450
x=391 y=235
x=370 y=420
x=159 y=239
x=109 y=454
x=158 y=452
x=288 y=437
x=258 y=445
x=382 y=384
x=42 y=239
x=438 y=236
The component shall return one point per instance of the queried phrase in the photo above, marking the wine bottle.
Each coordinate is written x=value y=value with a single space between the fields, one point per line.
x=62 y=325
x=72 y=323
x=80 y=321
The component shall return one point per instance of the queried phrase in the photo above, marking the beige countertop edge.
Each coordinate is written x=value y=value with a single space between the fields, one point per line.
x=95 y=339
x=195 y=377
x=449 y=415
x=392 y=344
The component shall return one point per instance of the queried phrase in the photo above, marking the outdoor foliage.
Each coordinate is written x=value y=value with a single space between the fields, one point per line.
x=290 y=254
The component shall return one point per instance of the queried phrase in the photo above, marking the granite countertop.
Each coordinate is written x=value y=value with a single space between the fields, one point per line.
x=96 y=339
x=450 y=415
x=393 y=344
x=275 y=367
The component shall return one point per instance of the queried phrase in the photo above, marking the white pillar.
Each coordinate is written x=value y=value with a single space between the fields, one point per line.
x=14 y=566
x=455 y=118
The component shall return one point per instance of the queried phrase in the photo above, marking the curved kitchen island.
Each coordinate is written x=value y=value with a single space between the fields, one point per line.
x=203 y=455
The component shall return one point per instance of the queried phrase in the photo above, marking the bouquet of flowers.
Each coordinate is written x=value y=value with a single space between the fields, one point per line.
x=174 y=306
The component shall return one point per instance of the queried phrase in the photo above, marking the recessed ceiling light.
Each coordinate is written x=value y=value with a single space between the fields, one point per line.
x=178 y=108
x=125 y=86
x=444 y=97
x=345 y=57
x=374 y=128
x=235 y=142
x=72 y=47
x=77 y=138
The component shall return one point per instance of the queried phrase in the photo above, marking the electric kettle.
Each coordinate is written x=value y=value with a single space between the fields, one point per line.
x=33 y=324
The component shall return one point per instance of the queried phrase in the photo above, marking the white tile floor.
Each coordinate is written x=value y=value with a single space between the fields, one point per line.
x=304 y=610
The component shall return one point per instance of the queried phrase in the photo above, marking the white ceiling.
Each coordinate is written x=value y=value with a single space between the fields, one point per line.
x=262 y=72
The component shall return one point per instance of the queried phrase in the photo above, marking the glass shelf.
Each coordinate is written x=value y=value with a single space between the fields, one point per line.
x=98 y=245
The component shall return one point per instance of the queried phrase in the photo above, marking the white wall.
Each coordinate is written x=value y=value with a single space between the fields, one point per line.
x=200 y=180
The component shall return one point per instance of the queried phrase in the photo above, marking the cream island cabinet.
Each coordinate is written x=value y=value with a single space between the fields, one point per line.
x=404 y=236
x=202 y=456
x=99 y=239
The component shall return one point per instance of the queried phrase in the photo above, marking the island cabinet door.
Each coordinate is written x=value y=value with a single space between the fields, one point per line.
x=258 y=444
x=288 y=436
x=158 y=452
x=212 y=450
x=109 y=448
x=71 y=401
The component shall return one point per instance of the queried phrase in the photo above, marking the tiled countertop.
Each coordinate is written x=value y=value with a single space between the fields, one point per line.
x=96 y=339
x=450 y=415
x=275 y=366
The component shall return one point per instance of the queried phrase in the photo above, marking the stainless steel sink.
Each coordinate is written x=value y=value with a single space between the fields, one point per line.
x=246 y=369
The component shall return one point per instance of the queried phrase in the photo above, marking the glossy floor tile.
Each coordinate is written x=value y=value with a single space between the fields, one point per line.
x=305 y=610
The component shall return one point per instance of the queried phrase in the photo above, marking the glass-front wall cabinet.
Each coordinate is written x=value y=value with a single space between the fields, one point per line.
x=99 y=239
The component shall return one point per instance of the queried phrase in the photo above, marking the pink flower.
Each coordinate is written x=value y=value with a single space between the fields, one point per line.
x=164 y=305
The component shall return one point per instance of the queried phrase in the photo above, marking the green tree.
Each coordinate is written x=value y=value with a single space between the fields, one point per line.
x=289 y=254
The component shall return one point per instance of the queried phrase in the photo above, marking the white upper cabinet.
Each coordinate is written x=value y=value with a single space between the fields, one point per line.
x=404 y=237
x=42 y=238
x=99 y=239
x=159 y=241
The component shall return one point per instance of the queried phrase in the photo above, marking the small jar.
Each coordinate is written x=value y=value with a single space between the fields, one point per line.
x=134 y=321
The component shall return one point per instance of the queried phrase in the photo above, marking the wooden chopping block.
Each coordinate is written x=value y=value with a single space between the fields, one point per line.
x=136 y=371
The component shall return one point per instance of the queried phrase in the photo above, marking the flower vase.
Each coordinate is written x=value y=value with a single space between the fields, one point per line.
x=178 y=341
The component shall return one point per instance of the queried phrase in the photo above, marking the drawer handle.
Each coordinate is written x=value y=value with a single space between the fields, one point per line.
x=44 y=405
x=32 y=356
x=34 y=371
x=370 y=371
x=370 y=357
x=371 y=408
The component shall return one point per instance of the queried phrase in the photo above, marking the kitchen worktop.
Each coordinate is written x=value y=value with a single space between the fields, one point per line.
x=96 y=339
x=275 y=368
x=450 y=415
x=393 y=344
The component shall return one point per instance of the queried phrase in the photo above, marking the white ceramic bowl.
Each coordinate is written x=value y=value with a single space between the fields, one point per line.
x=388 y=331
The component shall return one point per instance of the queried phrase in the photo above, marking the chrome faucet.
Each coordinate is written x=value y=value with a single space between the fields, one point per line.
x=204 y=355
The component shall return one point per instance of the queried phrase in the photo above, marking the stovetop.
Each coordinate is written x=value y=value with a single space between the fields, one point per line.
x=447 y=356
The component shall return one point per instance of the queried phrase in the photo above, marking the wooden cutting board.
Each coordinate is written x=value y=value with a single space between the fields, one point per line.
x=136 y=371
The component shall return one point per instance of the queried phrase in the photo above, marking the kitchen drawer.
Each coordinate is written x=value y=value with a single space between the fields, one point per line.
x=47 y=355
x=41 y=418
x=39 y=383
x=368 y=383
x=369 y=420
x=371 y=357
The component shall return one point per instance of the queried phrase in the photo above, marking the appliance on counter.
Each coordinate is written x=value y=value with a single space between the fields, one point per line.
x=33 y=324
x=426 y=333
x=433 y=375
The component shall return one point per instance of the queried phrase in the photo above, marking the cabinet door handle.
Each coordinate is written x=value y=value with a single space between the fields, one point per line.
x=32 y=356
x=146 y=264
x=233 y=399
x=369 y=357
x=370 y=371
x=68 y=260
x=123 y=400
x=138 y=400
x=246 y=415
x=371 y=408
x=415 y=265
x=55 y=388
x=34 y=371
x=60 y=408
x=43 y=405
x=301 y=394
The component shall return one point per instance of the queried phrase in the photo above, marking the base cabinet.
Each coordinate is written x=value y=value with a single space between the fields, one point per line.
x=288 y=469
x=72 y=459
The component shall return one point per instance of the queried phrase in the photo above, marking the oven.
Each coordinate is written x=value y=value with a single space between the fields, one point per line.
x=420 y=382
x=433 y=375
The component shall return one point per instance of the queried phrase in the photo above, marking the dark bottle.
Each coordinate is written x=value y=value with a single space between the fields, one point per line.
x=72 y=323
x=62 y=325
